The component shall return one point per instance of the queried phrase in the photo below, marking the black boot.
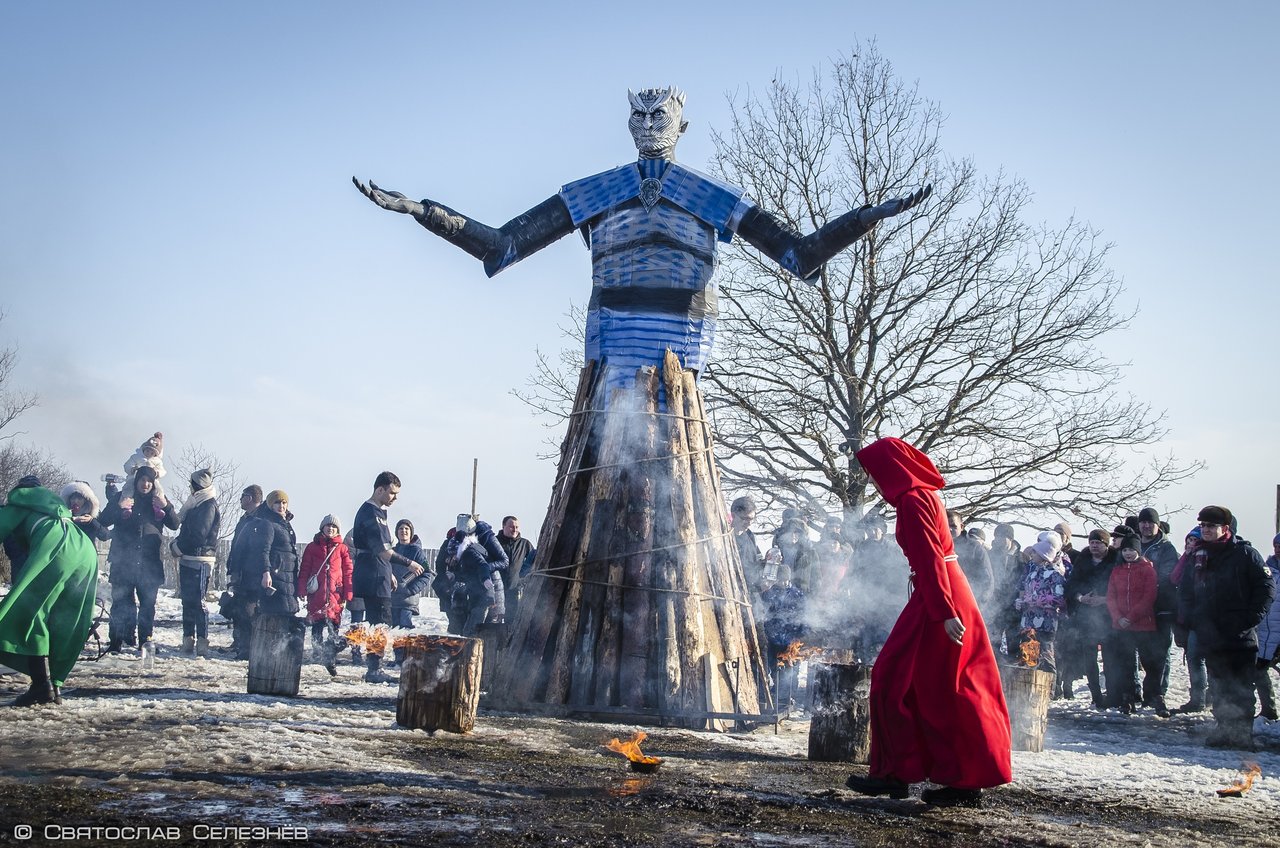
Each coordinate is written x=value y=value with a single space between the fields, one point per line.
x=42 y=690
x=374 y=672
x=950 y=796
x=878 y=786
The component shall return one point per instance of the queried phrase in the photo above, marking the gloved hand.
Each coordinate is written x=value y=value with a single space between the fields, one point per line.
x=895 y=206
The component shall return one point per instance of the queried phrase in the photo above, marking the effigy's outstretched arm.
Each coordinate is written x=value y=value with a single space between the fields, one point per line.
x=804 y=256
x=496 y=248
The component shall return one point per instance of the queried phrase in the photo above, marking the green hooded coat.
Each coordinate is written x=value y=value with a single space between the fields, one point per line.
x=49 y=610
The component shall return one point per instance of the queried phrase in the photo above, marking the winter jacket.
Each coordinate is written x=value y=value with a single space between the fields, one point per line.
x=136 y=538
x=200 y=522
x=87 y=520
x=236 y=553
x=1226 y=597
x=1269 y=629
x=330 y=558
x=976 y=566
x=784 y=615
x=520 y=553
x=446 y=584
x=480 y=560
x=1042 y=597
x=1164 y=556
x=1088 y=577
x=409 y=588
x=1131 y=594
x=268 y=544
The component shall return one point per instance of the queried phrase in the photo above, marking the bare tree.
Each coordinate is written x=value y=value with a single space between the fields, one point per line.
x=16 y=460
x=226 y=480
x=550 y=389
x=959 y=327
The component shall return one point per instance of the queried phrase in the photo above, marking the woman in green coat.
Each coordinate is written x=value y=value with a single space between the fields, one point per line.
x=45 y=618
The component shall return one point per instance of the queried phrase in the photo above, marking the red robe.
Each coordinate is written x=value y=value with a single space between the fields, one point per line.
x=937 y=708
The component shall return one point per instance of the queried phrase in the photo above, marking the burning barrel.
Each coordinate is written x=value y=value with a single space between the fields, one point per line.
x=275 y=655
x=840 y=731
x=440 y=683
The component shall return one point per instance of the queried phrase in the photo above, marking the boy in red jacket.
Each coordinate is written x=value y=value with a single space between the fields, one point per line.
x=1131 y=600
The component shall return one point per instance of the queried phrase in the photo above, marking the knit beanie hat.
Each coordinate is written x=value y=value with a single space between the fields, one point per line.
x=1131 y=542
x=1122 y=530
x=330 y=519
x=275 y=496
x=1048 y=545
x=1194 y=533
x=29 y=481
x=201 y=479
x=155 y=442
x=1149 y=514
x=403 y=522
x=1100 y=535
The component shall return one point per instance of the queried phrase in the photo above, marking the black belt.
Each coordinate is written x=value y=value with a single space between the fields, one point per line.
x=641 y=299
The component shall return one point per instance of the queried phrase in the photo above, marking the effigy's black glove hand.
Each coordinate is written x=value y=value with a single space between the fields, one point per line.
x=896 y=206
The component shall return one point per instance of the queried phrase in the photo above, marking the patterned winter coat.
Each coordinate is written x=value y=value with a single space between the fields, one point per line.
x=1042 y=596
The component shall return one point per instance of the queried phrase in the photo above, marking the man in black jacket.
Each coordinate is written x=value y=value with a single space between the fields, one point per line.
x=1164 y=556
x=1223 y=601
x=197 y=548
x=520 y=553
x=250 y=500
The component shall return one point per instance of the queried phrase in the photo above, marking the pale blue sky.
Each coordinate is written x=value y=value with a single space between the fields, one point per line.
x=181 y=248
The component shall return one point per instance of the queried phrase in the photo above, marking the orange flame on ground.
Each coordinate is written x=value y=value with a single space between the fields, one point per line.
x=1252 y=772
x=631 y=749
x=1030 y=649
x=796 y=652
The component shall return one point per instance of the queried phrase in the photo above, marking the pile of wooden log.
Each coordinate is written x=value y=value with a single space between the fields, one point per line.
x=637 y=602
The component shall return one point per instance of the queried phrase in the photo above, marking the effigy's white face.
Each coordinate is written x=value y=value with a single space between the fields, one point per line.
x=657 y=121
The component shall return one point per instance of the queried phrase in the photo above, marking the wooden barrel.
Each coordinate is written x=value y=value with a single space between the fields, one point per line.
x=275 y=655
x=1027 y=691
x=440 y=684
x=840 y=731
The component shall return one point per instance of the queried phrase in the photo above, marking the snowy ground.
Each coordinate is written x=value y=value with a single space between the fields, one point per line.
x=181 y=746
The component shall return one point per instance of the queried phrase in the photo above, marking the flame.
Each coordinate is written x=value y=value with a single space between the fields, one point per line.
x=1252 y=772
x=377 y=638
x=796 y=652
x=373 y=640
x=1030 y=648
x=631 y=749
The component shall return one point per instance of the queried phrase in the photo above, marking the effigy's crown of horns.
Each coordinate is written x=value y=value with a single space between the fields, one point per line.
x=648 y=99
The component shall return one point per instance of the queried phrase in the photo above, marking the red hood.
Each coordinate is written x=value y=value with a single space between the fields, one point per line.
x=898 y=468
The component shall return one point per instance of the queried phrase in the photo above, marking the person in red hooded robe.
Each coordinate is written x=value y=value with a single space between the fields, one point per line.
x=937 y=707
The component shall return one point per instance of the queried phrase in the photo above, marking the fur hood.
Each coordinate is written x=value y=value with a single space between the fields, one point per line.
x=82 y=489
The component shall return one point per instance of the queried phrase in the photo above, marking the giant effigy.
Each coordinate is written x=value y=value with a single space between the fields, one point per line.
x=637 y=606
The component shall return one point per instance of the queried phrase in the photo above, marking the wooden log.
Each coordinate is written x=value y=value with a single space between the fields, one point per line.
x=840 y=731
x=275 y=655
x=686 y=577
x=440 y=684
x=1027 y=692
x=494 y=636
x=525 y=669
x=639 y=622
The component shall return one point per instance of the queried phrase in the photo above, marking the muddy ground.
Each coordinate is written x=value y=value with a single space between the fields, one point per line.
x=492 y=788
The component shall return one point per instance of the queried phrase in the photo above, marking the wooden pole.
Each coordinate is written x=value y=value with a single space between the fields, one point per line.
x=475 y=473
x=1278 y=507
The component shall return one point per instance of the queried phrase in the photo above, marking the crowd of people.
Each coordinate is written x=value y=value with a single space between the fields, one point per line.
x=374 y=574
x=1128 y=595
x=1114 y=613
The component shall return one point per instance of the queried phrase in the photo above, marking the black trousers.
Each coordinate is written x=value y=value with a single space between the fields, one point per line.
x=1232 y=675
